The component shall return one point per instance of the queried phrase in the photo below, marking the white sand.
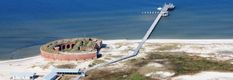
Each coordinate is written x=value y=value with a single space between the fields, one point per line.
x=20 y=65
x=207 y=76
x=35 y=64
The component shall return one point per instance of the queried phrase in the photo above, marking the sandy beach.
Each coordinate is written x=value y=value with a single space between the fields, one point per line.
x=221 y=49
x=20 y=65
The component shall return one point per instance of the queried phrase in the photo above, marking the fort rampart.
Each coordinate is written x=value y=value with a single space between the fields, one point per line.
x=71 y=49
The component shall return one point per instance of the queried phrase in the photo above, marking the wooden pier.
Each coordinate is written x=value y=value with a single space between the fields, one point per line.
x=163 y=12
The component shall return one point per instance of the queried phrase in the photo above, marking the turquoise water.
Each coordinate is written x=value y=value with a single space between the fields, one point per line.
x=26 y=24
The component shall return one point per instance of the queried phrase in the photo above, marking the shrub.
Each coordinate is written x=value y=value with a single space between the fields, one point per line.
x=69 y=66
x=136 y=76
x=184 y=63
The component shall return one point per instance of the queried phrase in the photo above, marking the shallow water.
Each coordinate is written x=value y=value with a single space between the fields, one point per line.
x=28 y=23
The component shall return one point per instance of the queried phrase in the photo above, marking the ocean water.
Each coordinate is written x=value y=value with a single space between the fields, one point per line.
x=27 y=24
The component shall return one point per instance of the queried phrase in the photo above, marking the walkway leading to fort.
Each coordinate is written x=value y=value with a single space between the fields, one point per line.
x=163 y=12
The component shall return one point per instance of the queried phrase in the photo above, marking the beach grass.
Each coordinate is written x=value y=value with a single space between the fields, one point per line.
x=186 y=64
x=95 y=62
x=128 y=74
x=179 y=62
x=69 y=66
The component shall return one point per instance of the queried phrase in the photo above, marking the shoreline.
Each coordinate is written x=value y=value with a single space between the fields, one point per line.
x=154 y=41
x=36 y=63
x=17 y=60
x=177 y=40
x=196 y=41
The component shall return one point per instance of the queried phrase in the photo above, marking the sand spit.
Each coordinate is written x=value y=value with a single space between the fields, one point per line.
x=220 y=49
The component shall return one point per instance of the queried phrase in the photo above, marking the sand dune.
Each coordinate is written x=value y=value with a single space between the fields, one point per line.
x=219 y=48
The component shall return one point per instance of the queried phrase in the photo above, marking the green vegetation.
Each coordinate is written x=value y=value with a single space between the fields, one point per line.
x=168 y=47
x=179 y=62
x=76 y=46
x=67 y=77
x=136 y=76
x=85 y=44
x=90 y=44
x=138 y=62
x=97 y=61
x=69 y=66
x=183 y=63
x=128 y=74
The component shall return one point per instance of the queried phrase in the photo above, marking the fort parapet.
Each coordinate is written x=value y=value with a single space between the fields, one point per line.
x=71 y=49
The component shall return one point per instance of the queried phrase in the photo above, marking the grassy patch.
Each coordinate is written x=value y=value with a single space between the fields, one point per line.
x=67 y=77
x=183 y=64
x=105 y=75
x=168 y=47
x=97 y=61
x=69 y=66
x=179 y=62
x=136 y=76
x=137 y=62
x=128 y=74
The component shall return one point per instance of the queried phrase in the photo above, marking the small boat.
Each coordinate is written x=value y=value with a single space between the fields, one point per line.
x=159 y=8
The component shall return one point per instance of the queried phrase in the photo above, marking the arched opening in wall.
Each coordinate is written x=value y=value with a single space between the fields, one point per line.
x=81 y=42
x=68 y=46
x=63 y=47
x=78 y=48
x=72 y=46
x=90 y=39
x=59 y=47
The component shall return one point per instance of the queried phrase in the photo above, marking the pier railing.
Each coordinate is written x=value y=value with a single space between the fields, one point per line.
x=163 y=12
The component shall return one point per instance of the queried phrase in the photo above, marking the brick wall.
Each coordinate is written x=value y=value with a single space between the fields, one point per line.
x=67 y=57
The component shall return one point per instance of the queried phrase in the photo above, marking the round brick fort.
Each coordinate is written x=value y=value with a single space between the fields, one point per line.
x=71 y=49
